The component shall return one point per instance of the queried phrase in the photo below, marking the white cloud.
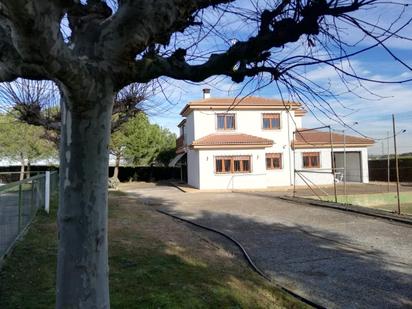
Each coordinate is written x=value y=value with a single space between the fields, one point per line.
x=373 y=113
x=372 y=106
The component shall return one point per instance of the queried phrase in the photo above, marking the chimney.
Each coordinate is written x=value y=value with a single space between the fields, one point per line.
x=206 y=93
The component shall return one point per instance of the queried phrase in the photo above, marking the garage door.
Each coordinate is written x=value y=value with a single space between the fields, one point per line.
x=353 y=165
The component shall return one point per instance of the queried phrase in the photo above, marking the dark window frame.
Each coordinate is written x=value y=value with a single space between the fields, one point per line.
x=272 y=156
x=242 y=159
x=271 y=116
x=226 y=115
x=309 y=162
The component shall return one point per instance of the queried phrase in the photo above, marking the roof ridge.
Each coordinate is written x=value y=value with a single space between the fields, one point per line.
x=237 y=138
x=239 y=102
x=322 y=137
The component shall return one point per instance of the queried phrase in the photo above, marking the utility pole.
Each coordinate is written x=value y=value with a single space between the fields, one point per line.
x=290 y=145
x=344 y=166
x=389 y=162
x=333 y=164
x=396 y=164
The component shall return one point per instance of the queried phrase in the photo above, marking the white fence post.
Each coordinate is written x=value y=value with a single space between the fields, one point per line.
x=47 y=193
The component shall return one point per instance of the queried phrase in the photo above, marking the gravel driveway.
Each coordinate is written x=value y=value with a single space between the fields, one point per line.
x=334 y=258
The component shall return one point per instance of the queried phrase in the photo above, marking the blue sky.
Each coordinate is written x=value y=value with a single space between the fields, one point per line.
x=369 y=106
x=367 y=110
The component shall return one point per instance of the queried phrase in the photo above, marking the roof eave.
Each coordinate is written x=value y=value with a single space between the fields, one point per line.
x=231 y=146
x=323 y=145
x=196 y=106
x=181 y=123
x=183 y=111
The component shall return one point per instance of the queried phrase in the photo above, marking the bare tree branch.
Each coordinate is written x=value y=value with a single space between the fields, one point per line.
x=125 y=30
x=272 y=34
x=37 y=103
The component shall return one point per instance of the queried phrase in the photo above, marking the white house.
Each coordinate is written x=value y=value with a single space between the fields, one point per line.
x=256 y=142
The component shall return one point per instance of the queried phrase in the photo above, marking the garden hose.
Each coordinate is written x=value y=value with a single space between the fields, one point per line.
x=247 y=257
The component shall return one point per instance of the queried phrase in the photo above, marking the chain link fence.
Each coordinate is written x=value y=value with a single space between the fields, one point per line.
x=376 y=193
x=8 y=177
x=19 y=202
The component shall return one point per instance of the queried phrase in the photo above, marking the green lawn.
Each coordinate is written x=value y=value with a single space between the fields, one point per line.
x=16 y=188
x=386 y=201
x=155 y=262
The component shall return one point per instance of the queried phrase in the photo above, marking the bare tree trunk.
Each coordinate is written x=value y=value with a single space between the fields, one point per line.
x=28 y=169
x=82 y=270
x=116 y=167
x=21 y=166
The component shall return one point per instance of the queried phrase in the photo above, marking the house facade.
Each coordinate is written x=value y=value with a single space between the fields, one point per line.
x=255 y=143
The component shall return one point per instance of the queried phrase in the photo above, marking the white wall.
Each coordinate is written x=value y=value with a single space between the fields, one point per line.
x=42 y=162
x=201 y=163
x=326 y=165
x=284 y=176
x=202 y=123
x=193 y=168
x=247 y=121
x=365 y=164
x=189 y=129
x=210 y=180
x=298 y=121
x=201 y=169
x=323 y=174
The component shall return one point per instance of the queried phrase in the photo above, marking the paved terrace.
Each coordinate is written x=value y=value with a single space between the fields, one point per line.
x=334 y=258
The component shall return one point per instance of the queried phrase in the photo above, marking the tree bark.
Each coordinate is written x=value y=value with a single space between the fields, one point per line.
x=21 y=166
x=116 y=167
x=28 y=169
x=82 y=270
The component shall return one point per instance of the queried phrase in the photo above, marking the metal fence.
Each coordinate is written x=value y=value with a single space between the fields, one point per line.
x=8 y=177
x=381 y=195
x=19 y=202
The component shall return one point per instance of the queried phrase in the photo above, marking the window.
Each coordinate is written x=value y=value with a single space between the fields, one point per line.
x=238 y=164
x=271 y=121
x=273 y=161
x=311 y=159
x=226 y=121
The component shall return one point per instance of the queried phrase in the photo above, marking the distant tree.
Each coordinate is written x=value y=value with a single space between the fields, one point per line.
x=168 y=147
x=141 y=143
x=116 y=147
x=37 y=102
x=23 y=142
x=146 y=141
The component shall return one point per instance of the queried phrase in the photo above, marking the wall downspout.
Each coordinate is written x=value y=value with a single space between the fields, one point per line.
x=289 y=148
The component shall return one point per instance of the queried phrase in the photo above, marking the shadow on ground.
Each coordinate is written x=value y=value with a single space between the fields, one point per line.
x=154 y=263
x=322 y=266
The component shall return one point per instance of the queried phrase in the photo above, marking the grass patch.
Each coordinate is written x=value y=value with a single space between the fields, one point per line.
x=27 y=278
x=155 y=262
x=385 y=201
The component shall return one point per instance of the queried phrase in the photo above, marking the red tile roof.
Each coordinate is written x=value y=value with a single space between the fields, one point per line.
x=232 y=139
x=241 y=102
x=319 y=138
